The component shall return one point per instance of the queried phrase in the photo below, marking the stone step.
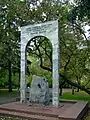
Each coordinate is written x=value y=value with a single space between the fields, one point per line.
x=26 y=115
x=43 y=111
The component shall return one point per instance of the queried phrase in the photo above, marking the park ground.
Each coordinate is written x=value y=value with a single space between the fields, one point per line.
x=6 y=97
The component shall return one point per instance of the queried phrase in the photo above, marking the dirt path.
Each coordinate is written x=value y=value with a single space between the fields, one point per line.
x=67 y=90
x=7 y=99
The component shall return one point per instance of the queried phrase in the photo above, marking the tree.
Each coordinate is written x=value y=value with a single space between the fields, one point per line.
x=81 y=9
x=8 y=41
x=19 y=14
x=79 y=17
x=71 y=41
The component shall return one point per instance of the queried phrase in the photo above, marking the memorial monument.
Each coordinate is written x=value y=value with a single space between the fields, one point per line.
x=49 y=30
x=39 y=91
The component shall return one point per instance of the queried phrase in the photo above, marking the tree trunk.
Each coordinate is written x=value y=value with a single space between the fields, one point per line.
x=78 y=88
x=19 y=80
x=68 y=81
x=9 y=77
x=60 y=93
x=72 y=90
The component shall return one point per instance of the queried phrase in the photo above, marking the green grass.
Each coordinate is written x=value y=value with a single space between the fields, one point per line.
x=88 y=116
x=77 y=96
x=11 y=118
x=4 y=92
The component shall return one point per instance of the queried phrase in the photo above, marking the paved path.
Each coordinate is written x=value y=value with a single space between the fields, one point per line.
x=67 y=90
x=7 y=99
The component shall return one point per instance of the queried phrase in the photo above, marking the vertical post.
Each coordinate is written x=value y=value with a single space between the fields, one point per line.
x=22 y=80
x=55 y=73
x=56 y=65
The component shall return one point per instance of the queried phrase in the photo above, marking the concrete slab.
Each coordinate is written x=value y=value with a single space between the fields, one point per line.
x=67 y=110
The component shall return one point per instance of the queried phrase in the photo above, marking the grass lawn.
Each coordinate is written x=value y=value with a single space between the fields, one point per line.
x=11 y=118
x=77 y=96
x=87 y=117
x=4 y=92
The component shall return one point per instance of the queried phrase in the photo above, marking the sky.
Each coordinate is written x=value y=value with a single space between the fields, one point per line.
x=86 y=29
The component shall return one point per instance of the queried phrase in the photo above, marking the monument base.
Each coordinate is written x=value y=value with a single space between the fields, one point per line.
x=71 y=110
